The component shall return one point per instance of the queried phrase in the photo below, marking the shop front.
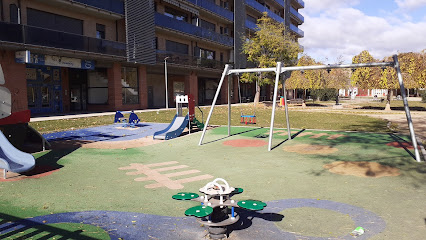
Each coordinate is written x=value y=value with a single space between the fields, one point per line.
x=45 y=84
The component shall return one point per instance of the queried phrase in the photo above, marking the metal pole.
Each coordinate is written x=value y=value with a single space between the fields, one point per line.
x=229 y=104
x=358 y=65
x=286 y=107
x=166 y=82
x=406 y=108
x=225 y=72
x=274 y=103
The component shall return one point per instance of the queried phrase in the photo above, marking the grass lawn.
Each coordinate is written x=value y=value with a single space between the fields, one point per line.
x=298 y=119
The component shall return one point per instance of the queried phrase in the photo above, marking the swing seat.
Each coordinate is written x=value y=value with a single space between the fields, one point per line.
x=248 y=119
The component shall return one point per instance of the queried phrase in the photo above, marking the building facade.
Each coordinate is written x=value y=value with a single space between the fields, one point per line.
x=62 y=56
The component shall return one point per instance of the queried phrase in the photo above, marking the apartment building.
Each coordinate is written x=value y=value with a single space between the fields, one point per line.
x=61 y=56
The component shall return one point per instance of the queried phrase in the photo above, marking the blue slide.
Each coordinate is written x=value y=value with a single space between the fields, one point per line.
x=12 y=159
x=175 y=128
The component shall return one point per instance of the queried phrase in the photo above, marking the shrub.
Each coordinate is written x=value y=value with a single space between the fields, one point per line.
x=424 y=97
x=326 y=94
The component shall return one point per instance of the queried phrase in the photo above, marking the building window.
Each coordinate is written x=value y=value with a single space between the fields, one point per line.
x=211 y=87
x=97 y=86
x=176 y=47
x=13 y=9
x=224 y=4
x=221 y=57
x=207 y=25
x=224 y=30
x=178 y=15
x=178 y=89
x=207 y=54
x=100 y=31
x=53 y=21
x=1 y=11
x=251 y=19
x=130 y=85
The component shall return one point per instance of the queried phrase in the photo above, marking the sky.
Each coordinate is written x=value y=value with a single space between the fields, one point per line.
x=337 y=30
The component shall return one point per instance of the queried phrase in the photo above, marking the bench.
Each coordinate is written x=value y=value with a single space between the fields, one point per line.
x=295 y=101
x=378 y=100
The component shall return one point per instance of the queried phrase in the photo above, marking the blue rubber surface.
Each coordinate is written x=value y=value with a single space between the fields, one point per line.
x=252 y=225
x=113 y=132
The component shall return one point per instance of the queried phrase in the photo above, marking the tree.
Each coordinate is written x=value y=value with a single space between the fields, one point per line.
x=365 y=78
x=373 y=78
x=309 y=79
x=413 y=68
x=272 y=43
x=388 y=80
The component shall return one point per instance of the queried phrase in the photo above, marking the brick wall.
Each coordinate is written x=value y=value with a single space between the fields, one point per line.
x=143 y=87
x=15 y=80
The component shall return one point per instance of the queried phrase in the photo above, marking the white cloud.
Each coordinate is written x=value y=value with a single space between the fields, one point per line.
x=410 y=4
x=347 y=31
x=318 y=6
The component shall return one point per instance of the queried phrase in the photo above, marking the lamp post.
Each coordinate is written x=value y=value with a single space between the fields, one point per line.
x=165 y=76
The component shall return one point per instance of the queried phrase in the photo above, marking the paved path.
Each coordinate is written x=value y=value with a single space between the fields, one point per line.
x=419 y=122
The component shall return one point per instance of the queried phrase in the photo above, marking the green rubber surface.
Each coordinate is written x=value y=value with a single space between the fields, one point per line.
x=90 y=179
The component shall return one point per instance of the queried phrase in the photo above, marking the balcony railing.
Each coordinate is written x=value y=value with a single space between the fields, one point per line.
x=301 y=3
x=171 y=23
x=296 y=14
x=212 y=7
x=297 y=30
x=188 y=60
x=259 y=7
x=115 y=6
x=251 y=25
x=23 y=34
x=280 y=2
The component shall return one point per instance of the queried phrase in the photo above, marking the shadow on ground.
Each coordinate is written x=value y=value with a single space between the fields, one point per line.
x=246 y=219
x=420 y=109
x=49 y=161
x=17 y=228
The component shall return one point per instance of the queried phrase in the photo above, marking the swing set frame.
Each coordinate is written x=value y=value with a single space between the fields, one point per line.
x=280 y=70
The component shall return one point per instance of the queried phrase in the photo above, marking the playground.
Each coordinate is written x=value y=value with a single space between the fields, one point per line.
x=320 y=185
x=122 y=181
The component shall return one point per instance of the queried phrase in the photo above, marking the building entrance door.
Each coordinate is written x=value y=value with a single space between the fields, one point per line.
x=78 y=89
x=44 y=91
x=150 y=97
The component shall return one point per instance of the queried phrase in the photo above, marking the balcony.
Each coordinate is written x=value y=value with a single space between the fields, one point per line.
x=186 y=28
x=296 y=30
x=251 y=25
x=187 y=60
x=210 y=6
x=22 y=34
x=297 y=16
x=259 y=7
x=280 y=2
x=115 y=6
x=299 y=3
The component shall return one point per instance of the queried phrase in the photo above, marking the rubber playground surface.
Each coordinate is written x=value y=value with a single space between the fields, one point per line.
x=319 y=185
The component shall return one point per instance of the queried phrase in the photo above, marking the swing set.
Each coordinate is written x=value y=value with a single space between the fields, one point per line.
x=280 y=70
